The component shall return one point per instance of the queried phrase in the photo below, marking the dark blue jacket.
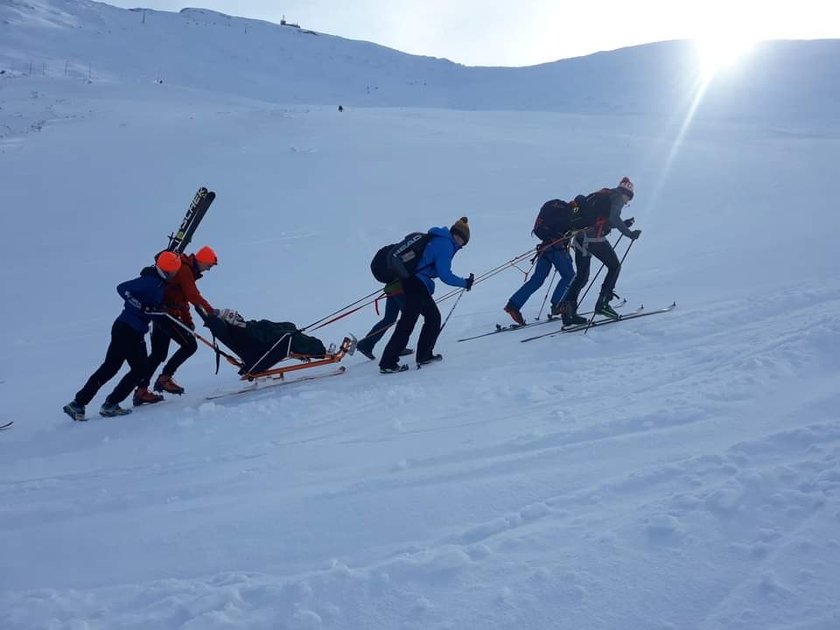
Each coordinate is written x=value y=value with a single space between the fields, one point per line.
x=145 y=292
x=436 y=261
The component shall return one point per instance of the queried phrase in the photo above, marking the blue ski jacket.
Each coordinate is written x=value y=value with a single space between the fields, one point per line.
x=436 y=261
x=140 y=295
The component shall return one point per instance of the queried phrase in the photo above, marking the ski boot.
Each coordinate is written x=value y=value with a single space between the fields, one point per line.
x=393 y=370
x=514 y=313
x=164 y=383
x=568 y=312
x=142 y=396
x=368 y=353
x=112 y=410
x=430 y=359
x=75 y=411
x=406 y=352
x=602 y=306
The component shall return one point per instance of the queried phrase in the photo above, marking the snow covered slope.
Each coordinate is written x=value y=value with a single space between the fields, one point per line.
x=679 y=471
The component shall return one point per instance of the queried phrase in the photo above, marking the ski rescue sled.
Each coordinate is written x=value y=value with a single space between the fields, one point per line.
x=259 y=345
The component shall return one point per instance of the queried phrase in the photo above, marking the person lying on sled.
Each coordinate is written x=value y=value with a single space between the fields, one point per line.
x=261 y=343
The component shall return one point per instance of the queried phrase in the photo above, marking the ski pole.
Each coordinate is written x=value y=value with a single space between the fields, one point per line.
x=341 y=310
x=598 y=273
x=231 y=359
x=460 y=295
x=488 y=274
x=342 y=315
x=269 y=351
x=547 y=291
x=620 y=262
x=514 y=261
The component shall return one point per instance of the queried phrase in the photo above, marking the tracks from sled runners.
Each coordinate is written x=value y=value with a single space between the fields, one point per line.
x=271 y=383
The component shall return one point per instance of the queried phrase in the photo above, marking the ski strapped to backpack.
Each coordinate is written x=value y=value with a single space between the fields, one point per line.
x=179 y=241
x=398 y=261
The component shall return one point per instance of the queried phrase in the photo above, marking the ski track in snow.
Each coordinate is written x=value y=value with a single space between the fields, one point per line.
x=755 y=497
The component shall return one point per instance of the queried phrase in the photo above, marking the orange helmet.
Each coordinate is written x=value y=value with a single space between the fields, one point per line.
x=168 y=262
x=206 y=256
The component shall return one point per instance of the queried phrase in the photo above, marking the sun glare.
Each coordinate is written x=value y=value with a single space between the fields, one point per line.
x=719 y=54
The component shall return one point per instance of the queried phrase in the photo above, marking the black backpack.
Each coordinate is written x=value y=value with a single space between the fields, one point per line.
x=592 y=210
x=399 y=260
x=553 y=220
x=557 y=217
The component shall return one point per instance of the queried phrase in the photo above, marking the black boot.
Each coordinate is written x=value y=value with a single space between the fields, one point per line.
x=602 y=306
x=570 y=316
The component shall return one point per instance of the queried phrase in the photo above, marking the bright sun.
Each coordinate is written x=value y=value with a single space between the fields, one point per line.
x=720 y=53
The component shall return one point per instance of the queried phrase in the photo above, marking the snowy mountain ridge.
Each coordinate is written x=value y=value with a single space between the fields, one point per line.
x=208 y=50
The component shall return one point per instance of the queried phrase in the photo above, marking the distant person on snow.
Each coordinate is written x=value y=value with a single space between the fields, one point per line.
x=605 y=206
x=178 y=294
x=143 y=296
x=435 y=262
x=394 y=304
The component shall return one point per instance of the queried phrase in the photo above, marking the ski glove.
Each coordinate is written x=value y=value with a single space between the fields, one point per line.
x=629 y=222
x=635 y=234
x=470 y=282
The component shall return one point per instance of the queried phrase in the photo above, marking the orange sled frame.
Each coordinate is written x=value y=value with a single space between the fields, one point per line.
x=348 y=346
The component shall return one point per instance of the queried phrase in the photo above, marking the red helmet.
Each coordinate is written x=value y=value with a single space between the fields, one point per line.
x=206 y=256
x=168 y=262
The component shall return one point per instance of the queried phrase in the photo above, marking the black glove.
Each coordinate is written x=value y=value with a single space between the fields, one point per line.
x=629 y=222
x=470 y=282
x=635 y=234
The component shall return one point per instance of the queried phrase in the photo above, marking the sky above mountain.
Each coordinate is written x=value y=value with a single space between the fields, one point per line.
x=527 y=32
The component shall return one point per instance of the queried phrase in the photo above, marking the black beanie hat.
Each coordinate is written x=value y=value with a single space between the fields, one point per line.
x=462 y=229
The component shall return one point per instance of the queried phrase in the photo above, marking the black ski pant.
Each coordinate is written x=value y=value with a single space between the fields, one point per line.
x=393 y=306
x=126 y=345
x=165 y=330
x=603 y=251
x=418 y=302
